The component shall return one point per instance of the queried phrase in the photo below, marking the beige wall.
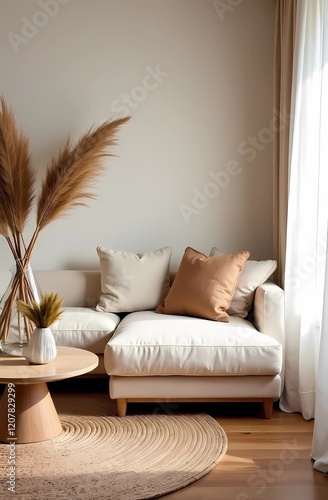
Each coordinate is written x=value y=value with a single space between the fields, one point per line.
x=196 y=79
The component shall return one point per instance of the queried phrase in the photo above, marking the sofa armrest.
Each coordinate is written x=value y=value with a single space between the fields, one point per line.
x=269 y=311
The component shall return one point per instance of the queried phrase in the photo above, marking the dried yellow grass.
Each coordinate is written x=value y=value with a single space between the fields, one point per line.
x=44 y=313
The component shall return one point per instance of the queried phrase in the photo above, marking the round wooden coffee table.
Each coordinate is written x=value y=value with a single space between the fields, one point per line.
x=27 y=412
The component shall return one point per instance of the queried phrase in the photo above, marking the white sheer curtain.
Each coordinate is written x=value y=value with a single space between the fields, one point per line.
x=320 y=435
x=307 y=221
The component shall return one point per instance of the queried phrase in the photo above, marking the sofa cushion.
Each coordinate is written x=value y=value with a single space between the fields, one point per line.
x=147 y=343
x=85 y=328
x=253 y=274
x=133 y=282
x=203 y=286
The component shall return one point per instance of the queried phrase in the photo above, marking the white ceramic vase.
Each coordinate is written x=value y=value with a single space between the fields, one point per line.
x=41 y=348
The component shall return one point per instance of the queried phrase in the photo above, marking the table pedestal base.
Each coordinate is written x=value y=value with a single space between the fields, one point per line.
x=35 y=415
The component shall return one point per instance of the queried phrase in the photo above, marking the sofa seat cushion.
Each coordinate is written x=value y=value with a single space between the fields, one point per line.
x=147 y=343
x=85 y=328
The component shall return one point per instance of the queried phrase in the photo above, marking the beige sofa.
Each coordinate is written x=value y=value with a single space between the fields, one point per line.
x=165 y=358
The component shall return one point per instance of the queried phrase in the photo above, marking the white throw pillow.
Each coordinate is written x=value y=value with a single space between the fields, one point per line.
x=254 y=273
x=133 y=282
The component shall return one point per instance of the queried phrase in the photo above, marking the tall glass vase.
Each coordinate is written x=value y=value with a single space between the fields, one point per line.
x=15 y=329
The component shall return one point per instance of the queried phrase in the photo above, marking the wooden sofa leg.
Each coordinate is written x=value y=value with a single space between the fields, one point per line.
x=267 y=407
x=121 y=407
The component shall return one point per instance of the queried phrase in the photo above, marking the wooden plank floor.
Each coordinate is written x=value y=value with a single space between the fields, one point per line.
x=265 y=460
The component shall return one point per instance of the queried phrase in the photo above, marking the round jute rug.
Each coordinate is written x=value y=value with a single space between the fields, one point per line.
x=106 y=457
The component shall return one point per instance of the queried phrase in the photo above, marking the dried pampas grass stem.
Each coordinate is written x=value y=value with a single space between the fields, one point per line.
x=66 y=185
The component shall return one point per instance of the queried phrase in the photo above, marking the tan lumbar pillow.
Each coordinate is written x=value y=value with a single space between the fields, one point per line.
x=253 y=275
x=203 y=286
x=133 y=282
